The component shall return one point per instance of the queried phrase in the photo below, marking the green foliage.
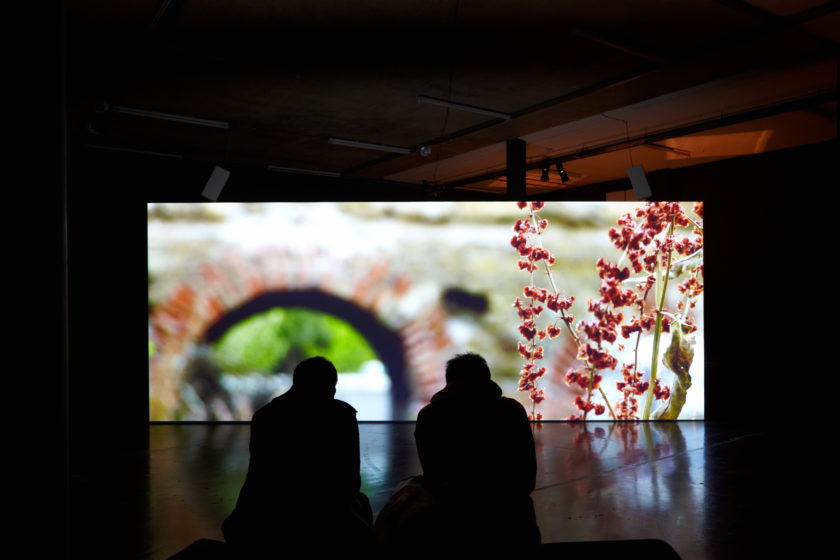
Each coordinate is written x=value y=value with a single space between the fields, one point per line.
x=680 y=353
x=276 y=339
x=678 y=358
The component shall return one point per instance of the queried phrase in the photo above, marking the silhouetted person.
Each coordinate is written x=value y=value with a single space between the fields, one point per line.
x=479 y=465
x=303 y=482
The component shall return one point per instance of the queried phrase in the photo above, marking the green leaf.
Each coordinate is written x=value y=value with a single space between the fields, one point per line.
x=680 y=353
x=678 y=358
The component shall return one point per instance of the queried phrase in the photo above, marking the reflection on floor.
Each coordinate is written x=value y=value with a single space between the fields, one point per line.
x=690 y=484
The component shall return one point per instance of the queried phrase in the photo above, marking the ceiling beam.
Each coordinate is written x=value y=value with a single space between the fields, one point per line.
x=685 y=130
x=716 y=60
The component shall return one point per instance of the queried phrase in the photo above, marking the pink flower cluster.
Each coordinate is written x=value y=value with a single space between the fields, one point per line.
x=644 y=244
x=632 y=386
x=530 y=255
x=605 y=328
x=534 y=302
x=637 y=239
x=691 y=287
x=647 y=237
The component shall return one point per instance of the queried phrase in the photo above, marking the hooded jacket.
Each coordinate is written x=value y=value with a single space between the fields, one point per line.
x=476 y=443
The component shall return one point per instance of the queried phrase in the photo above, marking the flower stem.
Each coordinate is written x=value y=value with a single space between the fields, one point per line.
x=657 y=332
x=606 y=401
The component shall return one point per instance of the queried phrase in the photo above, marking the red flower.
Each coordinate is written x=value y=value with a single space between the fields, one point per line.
x=586 y=405
x=557 y=303
x=608 y=269
x=598 y=358
x=527 y=329
x=540 y=294
x=662 y=393
x=574 y=377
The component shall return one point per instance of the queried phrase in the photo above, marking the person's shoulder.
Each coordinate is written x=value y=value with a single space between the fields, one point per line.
x=269 y=409
x=512 y=406
x=434 y=409
x=425 y=412
x=343 y=408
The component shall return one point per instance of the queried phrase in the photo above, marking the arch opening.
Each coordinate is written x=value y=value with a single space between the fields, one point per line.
x=356 y=325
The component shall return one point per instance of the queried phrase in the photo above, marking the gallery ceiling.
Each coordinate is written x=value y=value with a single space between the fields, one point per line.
x=429 y=92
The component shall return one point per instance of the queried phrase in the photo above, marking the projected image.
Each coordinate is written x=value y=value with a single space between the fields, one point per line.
x=584 y=310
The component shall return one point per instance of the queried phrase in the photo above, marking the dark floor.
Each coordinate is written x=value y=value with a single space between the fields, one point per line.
x=699 y=486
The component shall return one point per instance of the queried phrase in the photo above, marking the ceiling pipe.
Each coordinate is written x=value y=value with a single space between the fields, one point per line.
x=299 y=171
x=131 y=111
x=463 y=107
x=368 y=146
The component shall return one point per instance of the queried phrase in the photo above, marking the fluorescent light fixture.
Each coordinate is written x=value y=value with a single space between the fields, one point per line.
x=133 y=151
x=303 y=171
x=462 y=107
x=215 y=184
x=166 y=116
x=369 y=146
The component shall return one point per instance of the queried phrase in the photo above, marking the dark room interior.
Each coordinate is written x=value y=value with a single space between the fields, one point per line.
x=729 y=102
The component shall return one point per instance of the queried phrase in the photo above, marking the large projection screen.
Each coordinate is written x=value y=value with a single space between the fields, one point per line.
x=240 y=292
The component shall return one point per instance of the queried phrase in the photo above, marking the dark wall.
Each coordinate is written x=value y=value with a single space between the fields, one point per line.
x=758 y=212
x=757 y=207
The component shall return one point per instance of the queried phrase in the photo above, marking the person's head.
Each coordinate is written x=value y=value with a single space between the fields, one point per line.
x=467 y=368
x=316 y=377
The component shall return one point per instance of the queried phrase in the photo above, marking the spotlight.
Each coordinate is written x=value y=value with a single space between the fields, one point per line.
x=544 y=175
x=564 y=177
x=425 y=150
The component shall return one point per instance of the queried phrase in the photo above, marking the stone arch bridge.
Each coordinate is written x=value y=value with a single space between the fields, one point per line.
x=383 y=306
